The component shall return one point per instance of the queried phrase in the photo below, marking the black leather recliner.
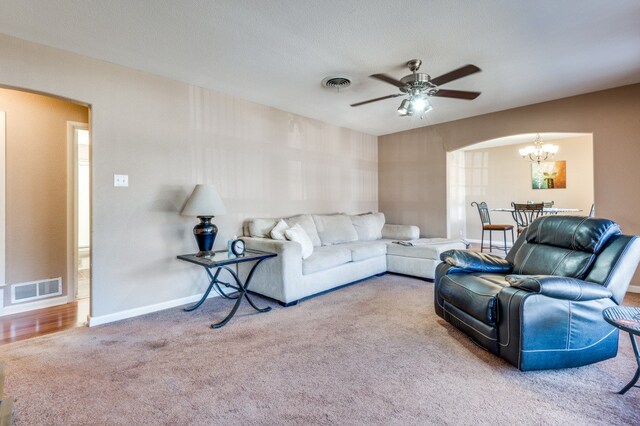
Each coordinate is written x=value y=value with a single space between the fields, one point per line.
x=541 y=307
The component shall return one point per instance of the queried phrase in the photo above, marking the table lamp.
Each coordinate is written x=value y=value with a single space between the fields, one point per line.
x=205 y=203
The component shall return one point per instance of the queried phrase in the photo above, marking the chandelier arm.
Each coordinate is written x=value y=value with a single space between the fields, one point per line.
x=538 y=151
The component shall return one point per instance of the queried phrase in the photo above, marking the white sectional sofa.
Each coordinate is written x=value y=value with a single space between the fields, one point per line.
x=345 y=249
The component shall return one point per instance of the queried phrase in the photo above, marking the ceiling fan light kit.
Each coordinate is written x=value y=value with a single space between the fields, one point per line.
x=417 y=87
x=415 y=105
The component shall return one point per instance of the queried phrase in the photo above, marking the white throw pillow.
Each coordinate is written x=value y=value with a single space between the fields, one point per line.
x=306 y=222
x=335 y=229
x=277 y=233
x=297 y=234
x=368 y=225
x=261 y=227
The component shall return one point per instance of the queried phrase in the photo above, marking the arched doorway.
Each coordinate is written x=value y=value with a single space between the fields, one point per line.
x=493 y=171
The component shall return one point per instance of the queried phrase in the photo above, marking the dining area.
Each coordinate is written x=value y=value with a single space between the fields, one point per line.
x=522 y=214
x=494 y=190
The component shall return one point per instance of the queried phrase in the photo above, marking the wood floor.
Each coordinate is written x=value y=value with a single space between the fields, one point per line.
x=43 y=321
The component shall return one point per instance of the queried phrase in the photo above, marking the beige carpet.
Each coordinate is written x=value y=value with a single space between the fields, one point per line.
x=372 y=353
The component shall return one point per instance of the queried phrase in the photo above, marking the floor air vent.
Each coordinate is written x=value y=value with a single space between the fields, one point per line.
x=36 y=290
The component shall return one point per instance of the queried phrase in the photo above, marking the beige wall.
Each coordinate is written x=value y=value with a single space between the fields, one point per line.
x=36 y=185
x=499 y=176
x=412 y=164
x=168 y=136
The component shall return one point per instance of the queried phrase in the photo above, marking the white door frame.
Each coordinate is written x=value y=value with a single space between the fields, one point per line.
x=72 y=206
x=3 y=217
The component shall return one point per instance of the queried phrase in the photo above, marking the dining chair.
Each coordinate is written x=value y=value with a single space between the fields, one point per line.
x=524 y=214
x=485 y=218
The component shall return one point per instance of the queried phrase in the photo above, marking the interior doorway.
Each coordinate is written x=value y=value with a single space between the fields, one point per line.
x=45 y=177
x=80 y=211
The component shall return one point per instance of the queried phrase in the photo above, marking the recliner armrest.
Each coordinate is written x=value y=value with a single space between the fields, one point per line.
x=559 y=287
x=472 y=261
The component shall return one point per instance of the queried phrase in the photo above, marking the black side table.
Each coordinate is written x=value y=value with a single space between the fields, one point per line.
x=626 y=319
x=222 y=260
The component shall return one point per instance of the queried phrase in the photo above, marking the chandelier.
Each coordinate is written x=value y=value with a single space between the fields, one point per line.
x=538 y=151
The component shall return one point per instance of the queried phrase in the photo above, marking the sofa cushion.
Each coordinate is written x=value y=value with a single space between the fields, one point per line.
x=261 y=228
x=475 y=294
x=335 y=229
x=368 y=226
x=361 y=250
x=325 y=258
x=297 y=234
x=277 y=233
x=306 y=222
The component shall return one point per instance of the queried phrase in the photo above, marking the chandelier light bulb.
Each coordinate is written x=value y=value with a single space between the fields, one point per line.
x=538 y=151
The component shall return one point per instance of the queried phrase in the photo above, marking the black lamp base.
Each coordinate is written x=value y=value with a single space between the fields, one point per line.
x=205 y=233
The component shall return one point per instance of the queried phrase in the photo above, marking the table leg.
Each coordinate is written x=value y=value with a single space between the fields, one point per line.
x=246 y=288
x=633 y=381
x=242 y=290
x=231 y=314
x=213 y=280
x=232 y=296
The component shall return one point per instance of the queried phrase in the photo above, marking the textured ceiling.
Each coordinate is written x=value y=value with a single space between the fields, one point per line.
x=277 y=52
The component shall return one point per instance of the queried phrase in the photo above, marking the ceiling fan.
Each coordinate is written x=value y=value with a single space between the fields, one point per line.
x=417 y=87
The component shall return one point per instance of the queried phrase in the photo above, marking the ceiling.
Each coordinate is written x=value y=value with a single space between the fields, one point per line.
x=277 y=52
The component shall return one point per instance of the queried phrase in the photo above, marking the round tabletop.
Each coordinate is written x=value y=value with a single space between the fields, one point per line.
x=626 y=318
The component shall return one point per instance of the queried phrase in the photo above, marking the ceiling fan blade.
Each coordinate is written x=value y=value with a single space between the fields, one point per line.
x=388 y=79
x=455 y=74
x=457 y=94
x=377 y=99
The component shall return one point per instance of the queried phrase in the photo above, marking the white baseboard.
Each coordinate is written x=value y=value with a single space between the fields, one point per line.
x=30 y=306
x=130 y=313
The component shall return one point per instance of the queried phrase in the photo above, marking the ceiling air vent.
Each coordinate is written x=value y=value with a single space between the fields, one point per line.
x=336 y=83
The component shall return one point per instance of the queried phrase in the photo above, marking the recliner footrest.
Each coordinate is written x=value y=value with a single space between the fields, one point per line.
x=473 y=294
x=485 y=335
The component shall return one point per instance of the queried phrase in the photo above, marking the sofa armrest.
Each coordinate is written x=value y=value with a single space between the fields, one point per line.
x=278 y=277
x=472 y=261
x=559 y=287
x=282 y=247
x=400 y=232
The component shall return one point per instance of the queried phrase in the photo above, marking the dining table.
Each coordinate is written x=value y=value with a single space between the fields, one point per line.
x=547 y=210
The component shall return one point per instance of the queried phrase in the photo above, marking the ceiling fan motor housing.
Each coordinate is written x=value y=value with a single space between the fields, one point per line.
x=418 y=82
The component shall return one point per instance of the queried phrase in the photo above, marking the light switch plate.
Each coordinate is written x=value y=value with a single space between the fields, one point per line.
x=120 y=180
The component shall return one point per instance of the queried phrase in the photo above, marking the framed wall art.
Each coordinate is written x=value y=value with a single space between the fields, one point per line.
x=549 y=175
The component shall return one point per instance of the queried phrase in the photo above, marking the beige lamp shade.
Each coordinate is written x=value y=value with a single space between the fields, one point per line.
x=204 y=201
